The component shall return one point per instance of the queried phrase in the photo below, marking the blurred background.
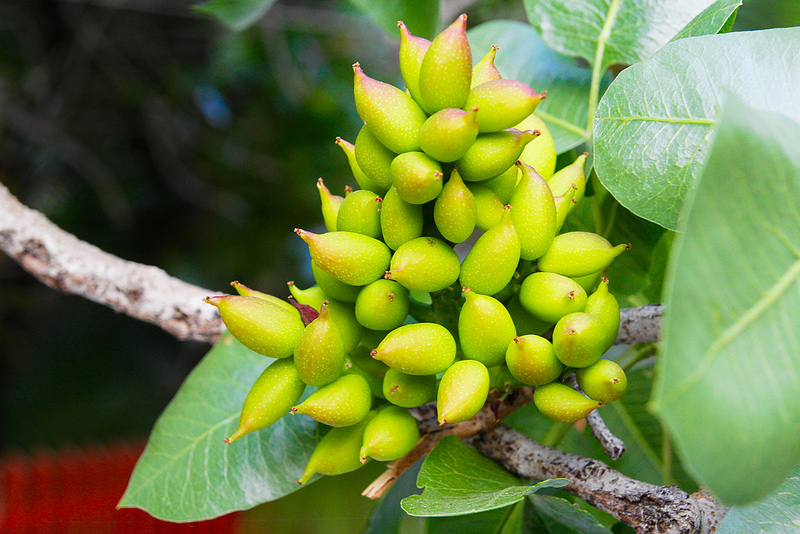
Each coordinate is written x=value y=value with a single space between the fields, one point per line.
x=156 y=134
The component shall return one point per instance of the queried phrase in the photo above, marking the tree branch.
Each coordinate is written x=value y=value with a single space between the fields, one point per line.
x=645 y=507
x=640 y=325
x=64 y=262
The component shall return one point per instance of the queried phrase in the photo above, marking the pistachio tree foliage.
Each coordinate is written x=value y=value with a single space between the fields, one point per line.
x=514 y=187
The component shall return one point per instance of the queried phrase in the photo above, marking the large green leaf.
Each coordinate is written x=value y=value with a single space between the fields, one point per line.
x=728 y=375
x=554 y=515
x=524 y=56
x=458 y=480
x=421 y=16
x=609 y=32
x=777 y=513
x=654 y=125
x=187 y=473
x=716 y=18
x=235 y=14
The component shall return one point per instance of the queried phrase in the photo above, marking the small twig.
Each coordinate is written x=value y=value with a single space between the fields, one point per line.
x=612 y=445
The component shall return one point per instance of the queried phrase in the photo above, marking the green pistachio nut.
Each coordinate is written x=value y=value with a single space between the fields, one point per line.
x=374 y=160
x=391 y=115
x=249 y=292
x=462 y=392
x=492 y=154
x=401 y=221
x=341 y=313
x=485 y=69
x=503 y=185
x=551 y=296
x=417 y=349
x=534 y=213
x=447 y=134
x=363 y=181
x=570 y=177
x=382 y=305
x=604 y=380
x=492 y=261
x=270 y=398
x=532 y=360
x=375 y=382
x=425 y=264
x=360 y=213
x=319 y=353
x=455 y=212
x=445 y=74
x=343 y=402
x=330 y=205
x=361 y=356
x=488 y=205
x=525 y=321
x=412 y=52
x=561 y=403
x=484 y=328
x=312 y=296
x=391 y=434
x=332 y=286
x=408 y=391
x=337 y=452
x=564 y=204
x=416 y=177
x=502 y=103
x=352 y=258
x=605 y=307
x=588 y=281
x=577 y=254
x=579 y=339
x=541 y=152
x=261 y=326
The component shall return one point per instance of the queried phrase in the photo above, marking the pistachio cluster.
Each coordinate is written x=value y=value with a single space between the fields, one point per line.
x=458 y=155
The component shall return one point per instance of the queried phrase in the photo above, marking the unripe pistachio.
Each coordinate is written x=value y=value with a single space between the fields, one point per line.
x=492 y=154
x=351 y=258
x=363 y=181
x=485 y=70
x=526 y=322
x=541 y=152
x=534 y=215
x=313 y=296
x=561 y=403
x=462 y=391
x=401 y=221
x=412 y=51
x=382 y=305
x=604 y=380
x=551 y=296
x=360 y=213
x=417 y=349
x=319 y=352
x=270 y=398
x=532 y=360
x=488 y=205
x=391 y=115
x=448 y=133
x=332 y=286
x=361 y=357
x=493 y=259
x=330 y=205
x=579 y=339
x=375 y=382
x=503 y=185
x=416 y=177
x=343 y=402
x=341 y=313
x=337 y=452
x=446 y=71
x=245 y=291
x=564 y=204
x=503 y=103
x=455 y=212
x=425 y=264
x=576 y=254
x=263 y=327
x=392 y=433
x=484 y=328
x=588 y=281
x=408 y=391
x=374 y=159
x=605 y=307
x=571 y=176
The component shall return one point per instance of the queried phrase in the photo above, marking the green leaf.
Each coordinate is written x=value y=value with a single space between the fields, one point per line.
x=777 y=513
x=611 y=32
x=728 y=376
x=654 y=125
x=421 y=16
x=716 y=18
x=458 y=480
x=523 y=56
x=554 y=515
x=187 y=473
x=235 y=14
